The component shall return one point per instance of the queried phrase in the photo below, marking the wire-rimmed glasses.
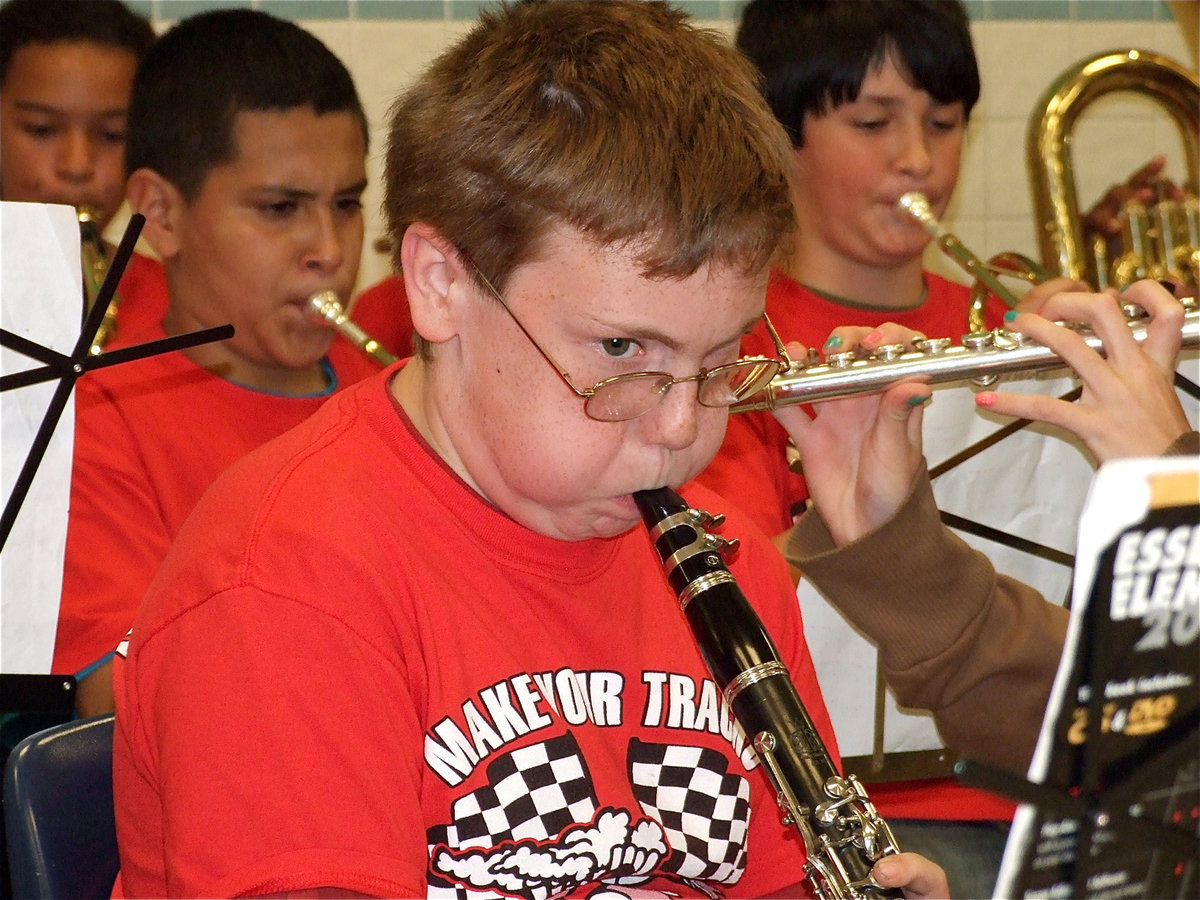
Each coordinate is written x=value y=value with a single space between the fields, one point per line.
x=624 y=397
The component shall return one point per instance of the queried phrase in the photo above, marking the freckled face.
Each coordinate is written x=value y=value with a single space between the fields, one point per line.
x=860 y=158
x=62 y=125
x=521 y=435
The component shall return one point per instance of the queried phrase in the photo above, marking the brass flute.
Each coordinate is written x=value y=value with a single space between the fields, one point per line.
x=327 y=307
x=981 y=359
x=844 y=835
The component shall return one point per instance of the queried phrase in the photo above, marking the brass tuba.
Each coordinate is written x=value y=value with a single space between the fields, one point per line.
x=1160 y=237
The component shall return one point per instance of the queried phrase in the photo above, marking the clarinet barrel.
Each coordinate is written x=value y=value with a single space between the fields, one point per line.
x=841 y=829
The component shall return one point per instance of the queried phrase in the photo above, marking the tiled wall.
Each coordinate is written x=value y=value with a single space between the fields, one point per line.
x=1022 y=46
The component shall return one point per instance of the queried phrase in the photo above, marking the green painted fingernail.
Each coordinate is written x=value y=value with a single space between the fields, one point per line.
x=918 y=401
x=1010 y=315
x=833 y=343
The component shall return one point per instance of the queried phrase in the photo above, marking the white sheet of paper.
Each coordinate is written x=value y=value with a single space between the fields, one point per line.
x=40 y=299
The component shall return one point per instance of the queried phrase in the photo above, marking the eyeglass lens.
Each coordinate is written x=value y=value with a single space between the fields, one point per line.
x=628 y=396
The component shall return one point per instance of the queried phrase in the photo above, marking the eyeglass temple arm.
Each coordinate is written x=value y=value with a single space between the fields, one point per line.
x=563 y=373
x=779 y=348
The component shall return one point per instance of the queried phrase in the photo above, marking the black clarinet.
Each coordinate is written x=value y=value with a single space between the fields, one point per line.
x=842 y=831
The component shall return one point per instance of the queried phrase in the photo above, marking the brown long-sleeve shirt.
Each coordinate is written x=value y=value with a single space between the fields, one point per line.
x=977 y=649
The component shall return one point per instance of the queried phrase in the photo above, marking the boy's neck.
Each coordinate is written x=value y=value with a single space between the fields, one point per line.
x=283 y=381
x=858 y=285
x=415 y=391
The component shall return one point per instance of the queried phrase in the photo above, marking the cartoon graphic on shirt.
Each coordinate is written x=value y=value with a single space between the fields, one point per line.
x=536 y=829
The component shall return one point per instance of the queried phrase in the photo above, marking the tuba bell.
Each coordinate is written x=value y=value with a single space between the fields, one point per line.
x=1156 y=239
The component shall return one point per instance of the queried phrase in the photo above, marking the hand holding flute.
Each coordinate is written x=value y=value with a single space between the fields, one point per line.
x=1129 y=406
x=861 y=453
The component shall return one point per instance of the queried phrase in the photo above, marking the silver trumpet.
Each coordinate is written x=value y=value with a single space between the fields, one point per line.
x=327 y=307
x=981 y=359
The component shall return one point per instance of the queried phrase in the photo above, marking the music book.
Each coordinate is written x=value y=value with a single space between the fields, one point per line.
x=1116 y=771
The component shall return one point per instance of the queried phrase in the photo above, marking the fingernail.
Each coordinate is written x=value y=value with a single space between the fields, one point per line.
x=986 y=398
x=918 y=401
x=883 y=873
x=833 y=343
x=1010 y=315
x=873 y=337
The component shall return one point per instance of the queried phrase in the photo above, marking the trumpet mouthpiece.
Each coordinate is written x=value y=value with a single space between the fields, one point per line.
x=916 y=205
x=327 y=308
x=327 y=305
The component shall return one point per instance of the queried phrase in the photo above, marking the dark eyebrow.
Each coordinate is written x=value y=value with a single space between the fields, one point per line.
x=357 y=188
x=290 y=193
x=28 y=106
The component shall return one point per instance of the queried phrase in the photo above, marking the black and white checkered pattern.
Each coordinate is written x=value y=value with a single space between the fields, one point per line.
x=704 y=810
x=533 y=792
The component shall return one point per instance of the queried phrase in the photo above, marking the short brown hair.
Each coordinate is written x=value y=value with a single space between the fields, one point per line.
x=619 y=119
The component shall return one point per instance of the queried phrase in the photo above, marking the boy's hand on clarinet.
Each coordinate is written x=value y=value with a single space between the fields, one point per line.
x=1128 y=406
x=860 y=453
x=920 y=878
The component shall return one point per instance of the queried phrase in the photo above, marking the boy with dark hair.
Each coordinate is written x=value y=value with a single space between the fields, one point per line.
x=258 y=209
x=471 y=657
x=66 y=69
x=875 y=97
x=65 y=73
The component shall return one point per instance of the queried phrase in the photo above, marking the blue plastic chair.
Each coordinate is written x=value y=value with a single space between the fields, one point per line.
x=58 y=812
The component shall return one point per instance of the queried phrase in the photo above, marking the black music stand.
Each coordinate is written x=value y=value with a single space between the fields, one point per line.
x=68 y=369
x=51 y=695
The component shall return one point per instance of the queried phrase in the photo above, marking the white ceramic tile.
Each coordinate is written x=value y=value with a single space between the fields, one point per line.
x=1006 y=175
x=1089 y=38
x=970 y=195
x=335 y=35
x=384 y=58
x=1017 y=60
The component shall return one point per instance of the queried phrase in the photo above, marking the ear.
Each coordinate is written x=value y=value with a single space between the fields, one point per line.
x=434 y=279
x=162 y=204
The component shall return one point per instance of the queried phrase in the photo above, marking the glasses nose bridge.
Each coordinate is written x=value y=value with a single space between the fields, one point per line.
x=698 y=377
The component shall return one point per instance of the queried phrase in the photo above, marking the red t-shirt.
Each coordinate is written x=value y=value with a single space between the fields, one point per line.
x=752 y=466
x=352 y=670
x=382 y=312
x=150 y=437
x=141 y=302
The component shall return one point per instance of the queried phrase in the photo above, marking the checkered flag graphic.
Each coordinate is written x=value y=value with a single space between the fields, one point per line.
x=704 y=809
x=533 y=792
